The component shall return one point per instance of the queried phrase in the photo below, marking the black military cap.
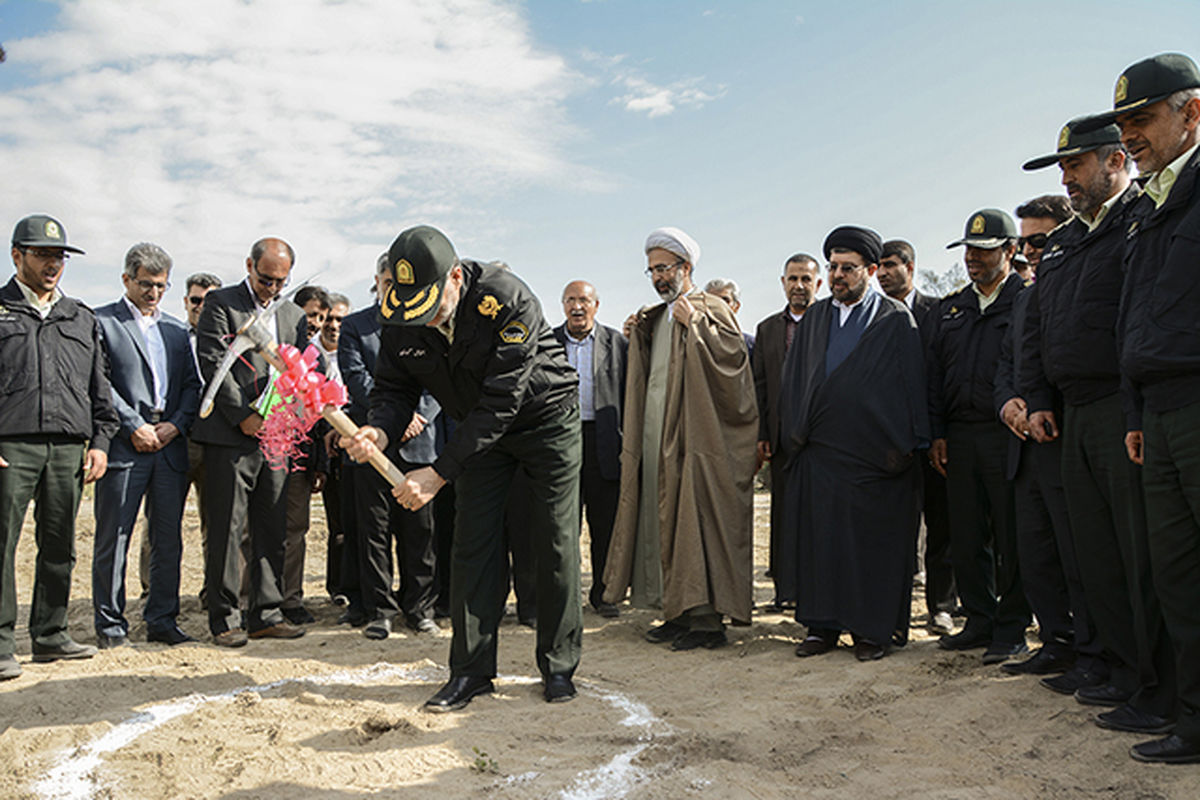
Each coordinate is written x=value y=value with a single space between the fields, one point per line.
x=420 y=259
x=1072 y=142
x=988 y=228
x=40 y=230
x=1148 y=81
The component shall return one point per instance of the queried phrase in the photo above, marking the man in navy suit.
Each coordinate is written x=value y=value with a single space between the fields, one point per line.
x=156 y=393
x=375 y=520
x=597 y=353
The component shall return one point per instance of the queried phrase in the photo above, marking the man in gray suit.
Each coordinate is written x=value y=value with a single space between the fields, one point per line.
x=801 y=280
x=597 y=352
x=241 y=484
x=156 y=392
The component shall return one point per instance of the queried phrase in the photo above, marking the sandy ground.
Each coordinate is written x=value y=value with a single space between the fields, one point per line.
x=334 y=715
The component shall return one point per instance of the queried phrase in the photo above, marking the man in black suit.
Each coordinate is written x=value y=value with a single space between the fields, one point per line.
x=597 y=352
x=801 y=279
x=240 y=481
x=156 y=392
x=895 y=276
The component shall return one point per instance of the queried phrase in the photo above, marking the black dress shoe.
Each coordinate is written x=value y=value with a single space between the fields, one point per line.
x=1133 y=720
x=667 y=632
x=1171 y=750
x=172 y=636
x=353 y=616
x=966 y=639
x=607 y=610
x=109 y=641
x=998 y=652
x=457 y=693
x=1104 y=695
x=67 y=650
x=298 y=615
x=866 y=650
x=558 y=688
x=1043 y=662
x=1073 y=679
x=378 y=628
x=816 y=644
x=709 y=640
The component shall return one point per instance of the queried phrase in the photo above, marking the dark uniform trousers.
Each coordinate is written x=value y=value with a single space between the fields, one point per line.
x=983 y=527
x=243 y=491
x=382 y=521
x=1108 y=521
x=335 y=526
x=940 y=594
x=520 y=562
x=49 y=471
x=1172 y=486
x=1043 y=533
x=350 y=573
x=550 y=453
x=599 y=497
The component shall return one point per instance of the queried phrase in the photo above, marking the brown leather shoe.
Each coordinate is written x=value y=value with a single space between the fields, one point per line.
x=280 y=630
x=235 y=637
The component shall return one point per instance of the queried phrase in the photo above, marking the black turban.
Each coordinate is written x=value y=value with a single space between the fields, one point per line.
x=863 y=241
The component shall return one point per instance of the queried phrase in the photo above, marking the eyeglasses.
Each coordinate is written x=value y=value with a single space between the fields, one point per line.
x=846 y=268
x=663 y=269
x=195 y=299
x=148 y=285
x=271 y=282
x=1037 y=241
x=46 y=255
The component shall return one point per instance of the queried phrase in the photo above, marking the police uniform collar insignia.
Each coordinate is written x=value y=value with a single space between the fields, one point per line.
x=977 y=224
x=1121 y=91
x=489 y=306
x=404 y=272
x=514 y=332
x=1028 y=282
x=1053 y=247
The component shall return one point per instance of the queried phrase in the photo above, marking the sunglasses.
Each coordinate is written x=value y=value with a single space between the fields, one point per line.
x=194 y=300
x=1037 y=241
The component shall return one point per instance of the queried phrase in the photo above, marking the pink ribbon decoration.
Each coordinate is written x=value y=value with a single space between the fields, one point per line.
x=305 y=392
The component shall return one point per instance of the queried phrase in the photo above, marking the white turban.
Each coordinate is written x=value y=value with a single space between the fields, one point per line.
x=674 y=241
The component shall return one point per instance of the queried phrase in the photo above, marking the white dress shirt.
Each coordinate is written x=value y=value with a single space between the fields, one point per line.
x=155 y=347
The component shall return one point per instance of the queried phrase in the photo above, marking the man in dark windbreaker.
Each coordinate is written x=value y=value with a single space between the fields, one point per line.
x=473 y=335
x=56 y=422
x=1156 y=104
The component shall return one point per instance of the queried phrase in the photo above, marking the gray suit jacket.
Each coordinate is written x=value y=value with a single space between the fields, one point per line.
x=608 y=384
x=226 y=310
x=770 y=347
x=133 y=382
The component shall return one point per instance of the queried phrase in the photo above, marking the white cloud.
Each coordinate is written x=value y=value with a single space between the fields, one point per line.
x=657 y=101
x=203 y=126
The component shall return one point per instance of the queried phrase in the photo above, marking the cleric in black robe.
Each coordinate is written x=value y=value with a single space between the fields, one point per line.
x=854 y=411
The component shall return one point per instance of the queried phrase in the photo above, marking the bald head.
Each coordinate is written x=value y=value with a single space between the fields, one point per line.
x=580 y=303
x=269 y=266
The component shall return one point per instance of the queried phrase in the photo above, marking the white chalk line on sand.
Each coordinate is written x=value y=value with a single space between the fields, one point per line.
x=74 y=776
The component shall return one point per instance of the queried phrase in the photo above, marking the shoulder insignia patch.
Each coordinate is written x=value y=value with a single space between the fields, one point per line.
x=514 y=332
x=489 y=306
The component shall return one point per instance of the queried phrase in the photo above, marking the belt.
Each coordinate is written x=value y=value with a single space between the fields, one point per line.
x=155 y=416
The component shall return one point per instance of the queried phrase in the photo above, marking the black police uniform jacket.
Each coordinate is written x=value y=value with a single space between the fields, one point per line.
x=1158 y=328
x=504 y=372
x=964 y=350
x=53 y=372
x=1069 y=341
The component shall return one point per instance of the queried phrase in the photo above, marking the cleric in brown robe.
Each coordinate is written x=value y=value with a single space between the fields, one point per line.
x=683 y=537
x=854 y=411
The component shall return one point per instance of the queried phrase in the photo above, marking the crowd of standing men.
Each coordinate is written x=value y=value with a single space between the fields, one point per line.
x=1044 y=420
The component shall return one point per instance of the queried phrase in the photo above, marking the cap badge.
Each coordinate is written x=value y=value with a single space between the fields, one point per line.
x=1121 y=91
x=977 y=224
x=489 y=306
x=1064 y=137
x=404 y=272
x=52 y=231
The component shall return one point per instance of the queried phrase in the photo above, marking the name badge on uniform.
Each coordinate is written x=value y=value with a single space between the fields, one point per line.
x=411 y=352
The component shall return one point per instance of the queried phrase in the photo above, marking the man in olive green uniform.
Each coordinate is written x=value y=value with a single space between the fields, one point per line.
x=474 y=336
x=56 y=421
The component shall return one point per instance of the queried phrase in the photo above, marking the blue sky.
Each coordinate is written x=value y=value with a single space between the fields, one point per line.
x=551 y=135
